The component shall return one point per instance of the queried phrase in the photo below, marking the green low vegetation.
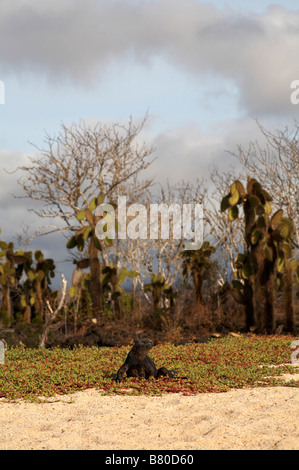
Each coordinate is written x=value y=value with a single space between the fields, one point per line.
x=217 y=366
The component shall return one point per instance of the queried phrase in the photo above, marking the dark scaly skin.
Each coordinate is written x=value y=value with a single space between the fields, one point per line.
x=138 y=364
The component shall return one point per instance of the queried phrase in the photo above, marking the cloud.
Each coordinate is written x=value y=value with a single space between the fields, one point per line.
x=76 y=40
x=185 y=153
x=189 y=153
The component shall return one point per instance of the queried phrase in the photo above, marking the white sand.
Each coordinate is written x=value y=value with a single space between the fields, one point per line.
x=259 y=418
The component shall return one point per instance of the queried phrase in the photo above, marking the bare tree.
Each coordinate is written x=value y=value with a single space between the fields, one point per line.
x=136 y=256
x=78 y=164
x=160 y=255
x=167 y=252
x=276 y=165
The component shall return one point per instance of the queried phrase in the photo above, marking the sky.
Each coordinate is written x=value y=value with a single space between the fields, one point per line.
x=202 y=70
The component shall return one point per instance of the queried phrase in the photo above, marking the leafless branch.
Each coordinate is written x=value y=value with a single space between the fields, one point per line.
x=53 y=314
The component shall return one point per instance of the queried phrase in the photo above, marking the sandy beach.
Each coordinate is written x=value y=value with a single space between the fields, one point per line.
x=258 y=418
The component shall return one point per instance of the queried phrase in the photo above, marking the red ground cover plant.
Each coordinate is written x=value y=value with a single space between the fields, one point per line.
x=216 y=366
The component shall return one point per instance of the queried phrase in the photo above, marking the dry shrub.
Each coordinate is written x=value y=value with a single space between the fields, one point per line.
x=171 y=328
x=205 y=318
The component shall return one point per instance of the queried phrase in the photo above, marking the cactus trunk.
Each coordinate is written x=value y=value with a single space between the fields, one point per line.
x=264 y=291
x=6 y=303
x=39 y=307
x=27 y=314
x=249 y=306
x=288 y=296
x=198 y=282
x=95 y=280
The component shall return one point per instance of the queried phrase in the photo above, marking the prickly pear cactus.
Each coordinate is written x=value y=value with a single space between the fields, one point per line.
x=268 y=248
x=198 y=264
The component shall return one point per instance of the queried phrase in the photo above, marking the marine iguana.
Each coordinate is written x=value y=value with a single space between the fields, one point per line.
x=138 y=364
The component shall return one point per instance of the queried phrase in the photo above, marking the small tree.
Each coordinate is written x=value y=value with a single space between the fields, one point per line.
x=157 y=287
x=33 y=290
x=73 y=168
x=198 y=264
x=114 y=280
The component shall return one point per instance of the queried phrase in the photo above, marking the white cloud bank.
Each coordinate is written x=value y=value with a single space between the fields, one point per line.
x=75 y=40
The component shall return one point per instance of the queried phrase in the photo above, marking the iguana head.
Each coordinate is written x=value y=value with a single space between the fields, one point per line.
x=142 y=347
